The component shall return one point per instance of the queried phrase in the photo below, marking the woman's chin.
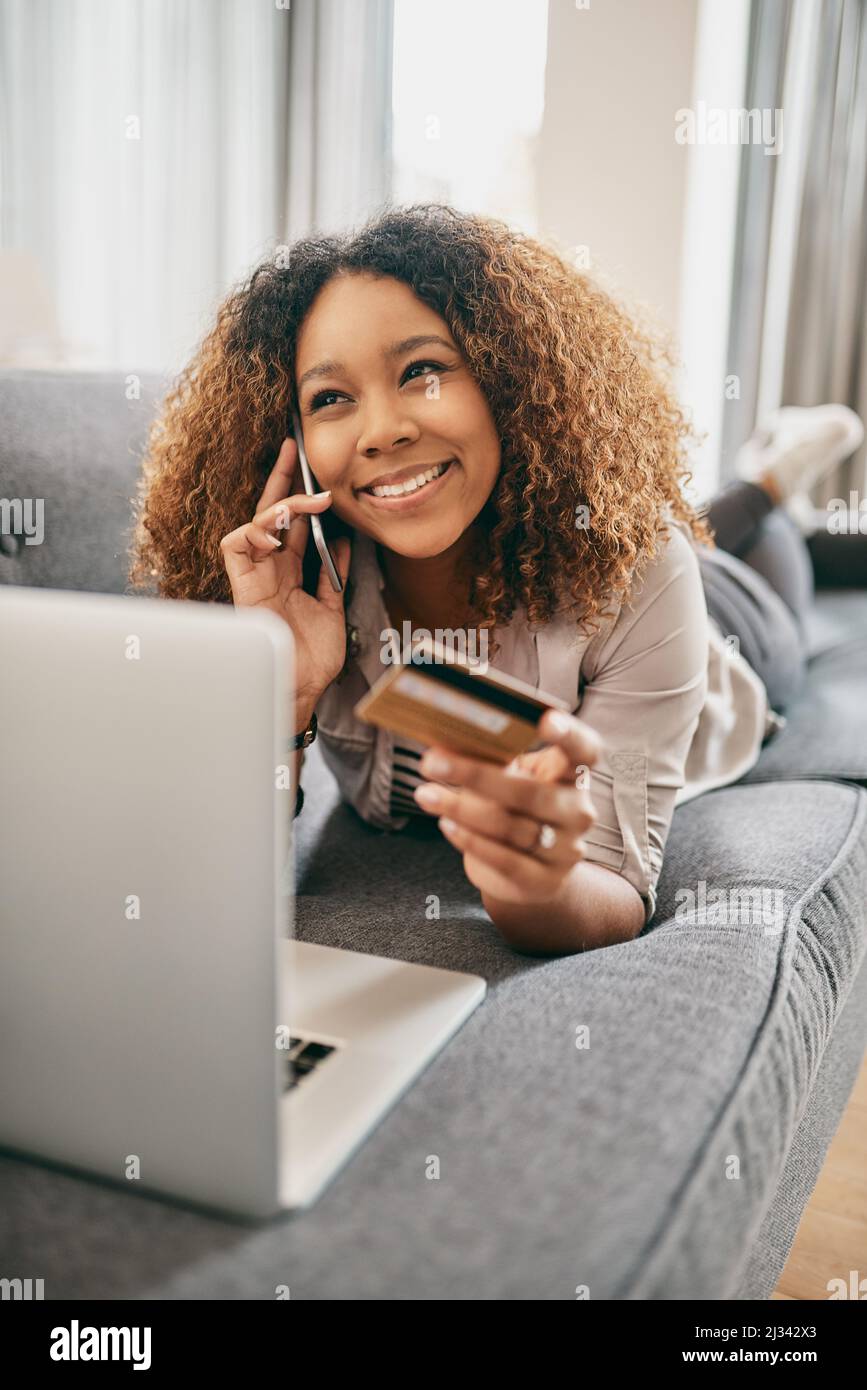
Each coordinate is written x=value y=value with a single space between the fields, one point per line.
x=429 y=542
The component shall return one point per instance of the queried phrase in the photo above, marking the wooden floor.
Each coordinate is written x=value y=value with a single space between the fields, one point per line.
x=832 y=1235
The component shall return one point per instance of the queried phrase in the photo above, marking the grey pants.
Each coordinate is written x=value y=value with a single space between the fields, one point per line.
x=759 y=584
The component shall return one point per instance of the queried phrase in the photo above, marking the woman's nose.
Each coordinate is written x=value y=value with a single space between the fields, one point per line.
x=385 y=427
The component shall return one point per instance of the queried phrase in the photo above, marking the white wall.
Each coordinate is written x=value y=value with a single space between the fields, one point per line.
x=658 y=217
x=610 y=173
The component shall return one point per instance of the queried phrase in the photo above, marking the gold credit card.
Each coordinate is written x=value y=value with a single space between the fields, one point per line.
x=436 y=699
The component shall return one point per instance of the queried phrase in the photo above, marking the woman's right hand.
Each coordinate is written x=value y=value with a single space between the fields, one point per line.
x=263 y=575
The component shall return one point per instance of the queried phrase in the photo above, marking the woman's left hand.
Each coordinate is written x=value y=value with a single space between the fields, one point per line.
x=497 y=813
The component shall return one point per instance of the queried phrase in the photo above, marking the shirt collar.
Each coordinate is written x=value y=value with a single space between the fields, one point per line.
x=367 y=584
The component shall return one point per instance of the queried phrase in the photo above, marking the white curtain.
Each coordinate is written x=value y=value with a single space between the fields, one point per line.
x=151 y=151
x=340 y=113
x=799 y=313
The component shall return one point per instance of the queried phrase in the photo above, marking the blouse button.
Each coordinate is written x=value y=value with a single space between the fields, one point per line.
x=354 y=642
x=630 y=766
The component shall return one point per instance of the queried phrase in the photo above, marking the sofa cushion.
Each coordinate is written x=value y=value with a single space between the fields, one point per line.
x=637 y=1201
x=835 y=616
x=824 y=735
x=74 y=440
x=836 y=1077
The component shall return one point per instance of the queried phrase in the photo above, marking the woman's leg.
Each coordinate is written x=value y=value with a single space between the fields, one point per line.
x=745 y=606
x=758 y=585
x=747 y=524
x=735 y=514
x=779 y=553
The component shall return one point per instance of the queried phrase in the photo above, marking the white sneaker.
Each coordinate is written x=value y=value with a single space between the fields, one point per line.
x=799 y=445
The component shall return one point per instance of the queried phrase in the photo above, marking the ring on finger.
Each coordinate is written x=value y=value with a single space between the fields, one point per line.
x=545 y=839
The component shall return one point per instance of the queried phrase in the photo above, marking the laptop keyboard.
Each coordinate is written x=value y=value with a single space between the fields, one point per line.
x=302 y=1058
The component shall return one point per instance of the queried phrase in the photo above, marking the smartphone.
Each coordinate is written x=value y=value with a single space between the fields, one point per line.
x=310 y=487
x=435 y=699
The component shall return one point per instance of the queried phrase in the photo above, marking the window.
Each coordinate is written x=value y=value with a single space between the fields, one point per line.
x=468 y=98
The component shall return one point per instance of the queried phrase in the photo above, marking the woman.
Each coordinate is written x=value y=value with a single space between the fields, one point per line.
x=545 y=455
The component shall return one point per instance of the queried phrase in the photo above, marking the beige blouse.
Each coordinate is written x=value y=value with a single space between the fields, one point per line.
x=678 y=709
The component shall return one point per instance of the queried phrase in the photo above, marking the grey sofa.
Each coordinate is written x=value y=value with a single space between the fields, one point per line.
x=608 y=1166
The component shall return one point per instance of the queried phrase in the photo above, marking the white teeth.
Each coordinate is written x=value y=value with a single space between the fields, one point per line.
x=411 y=485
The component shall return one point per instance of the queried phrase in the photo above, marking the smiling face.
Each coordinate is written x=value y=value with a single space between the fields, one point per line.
x=384 y=393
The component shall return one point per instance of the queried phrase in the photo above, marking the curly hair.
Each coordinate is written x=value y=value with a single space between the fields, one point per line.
x=579 y=391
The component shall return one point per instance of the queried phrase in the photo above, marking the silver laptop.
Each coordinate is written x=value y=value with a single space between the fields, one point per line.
x=159 y=1025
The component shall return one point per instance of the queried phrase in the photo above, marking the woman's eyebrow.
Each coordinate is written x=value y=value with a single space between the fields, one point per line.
x=395 y=350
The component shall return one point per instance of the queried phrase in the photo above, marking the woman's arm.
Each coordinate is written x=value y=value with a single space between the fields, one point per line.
x=646 y=681
x=302 y=713
x=594 y=907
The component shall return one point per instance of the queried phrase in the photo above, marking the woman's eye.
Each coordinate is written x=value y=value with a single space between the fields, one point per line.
x=321 y=399
x=435 y=366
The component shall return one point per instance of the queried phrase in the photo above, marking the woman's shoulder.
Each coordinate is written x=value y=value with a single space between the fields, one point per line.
x=666 y=596
x=673 y=565
x=674 y=559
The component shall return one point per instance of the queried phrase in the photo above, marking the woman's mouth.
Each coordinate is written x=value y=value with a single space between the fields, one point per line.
x=414 y=493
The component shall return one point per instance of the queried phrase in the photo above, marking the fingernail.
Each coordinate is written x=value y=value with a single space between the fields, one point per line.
x=326 y=493
x=450 y=826
x=275 y=541
x=435 y=765
x=428 y=796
